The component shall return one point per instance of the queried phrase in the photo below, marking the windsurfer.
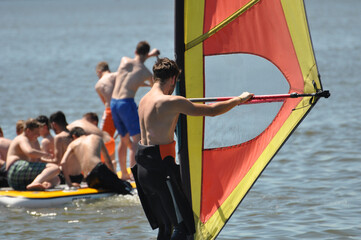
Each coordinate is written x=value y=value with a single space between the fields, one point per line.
x=156 y=173
x=132 y=74
x=83 y=156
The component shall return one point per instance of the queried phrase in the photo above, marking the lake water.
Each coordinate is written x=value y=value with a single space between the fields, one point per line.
x=311 y=189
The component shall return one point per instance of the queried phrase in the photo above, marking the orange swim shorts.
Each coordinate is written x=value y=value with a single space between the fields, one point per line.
x=107 y=122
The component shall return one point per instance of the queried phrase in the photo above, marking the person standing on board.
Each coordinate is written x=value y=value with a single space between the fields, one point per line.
x=132 y=74
x=156 y=173
x=83 y=157
x=23 y=174
x=104 y=87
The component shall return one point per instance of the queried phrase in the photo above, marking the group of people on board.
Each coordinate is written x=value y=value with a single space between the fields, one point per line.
x=147 y=131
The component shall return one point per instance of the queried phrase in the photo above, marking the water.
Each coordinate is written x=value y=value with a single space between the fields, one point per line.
x=311 y=190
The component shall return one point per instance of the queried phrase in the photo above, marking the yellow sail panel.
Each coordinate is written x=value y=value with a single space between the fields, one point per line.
x=193 y=69
x=298 y=27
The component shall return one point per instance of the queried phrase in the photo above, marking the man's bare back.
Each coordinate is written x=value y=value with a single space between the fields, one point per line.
x=4 y=147
x=157 y=122
x=105 y=86
x=87 y=154
x=159 y=110
x=61 y=142
x=132 y=73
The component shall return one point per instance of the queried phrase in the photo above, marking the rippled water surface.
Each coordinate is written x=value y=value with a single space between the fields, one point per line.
x=311 y=189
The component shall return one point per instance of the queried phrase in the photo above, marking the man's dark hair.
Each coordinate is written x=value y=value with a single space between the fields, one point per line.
x=164 y=69
x=143 y=48
x=91 y=117
x=102 y=67
x=43 y=120
x=77 y=131
x=59 y=118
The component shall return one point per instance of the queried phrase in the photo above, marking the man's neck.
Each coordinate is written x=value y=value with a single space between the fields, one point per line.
x=104 y=73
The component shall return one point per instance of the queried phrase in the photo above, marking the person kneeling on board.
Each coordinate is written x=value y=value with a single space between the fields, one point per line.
x=83 y=156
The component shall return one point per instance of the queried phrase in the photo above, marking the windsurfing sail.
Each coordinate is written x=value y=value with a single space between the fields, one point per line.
x=218 y=174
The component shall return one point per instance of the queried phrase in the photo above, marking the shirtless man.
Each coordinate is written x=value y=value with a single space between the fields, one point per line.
x=61 y=140
x=132 y=74
x=104 y=87
x=24 y=174
x=89 y=124
x=83 y=156
x=47 y=143
x=158 y=114
x=4 y=147
x=19 y=128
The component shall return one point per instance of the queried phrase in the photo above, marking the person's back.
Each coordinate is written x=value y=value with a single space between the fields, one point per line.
x=157 y=121
x=106 y=83
x=83 y=155
x=131 y=75
x=4 y=147
x=87 y=150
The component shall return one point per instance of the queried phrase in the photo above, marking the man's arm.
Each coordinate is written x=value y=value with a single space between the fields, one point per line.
x=64 y=166
x=183 y=105
x=99 y=90
x=31 y=152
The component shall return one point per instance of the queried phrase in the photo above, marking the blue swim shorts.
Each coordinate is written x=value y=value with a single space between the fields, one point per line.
x=125 y=116
x=21 y=173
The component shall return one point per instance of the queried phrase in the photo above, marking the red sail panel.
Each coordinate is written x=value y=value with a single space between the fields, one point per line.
x=261 y=31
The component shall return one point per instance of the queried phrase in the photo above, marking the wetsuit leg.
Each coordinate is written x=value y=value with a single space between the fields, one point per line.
x=154 y=186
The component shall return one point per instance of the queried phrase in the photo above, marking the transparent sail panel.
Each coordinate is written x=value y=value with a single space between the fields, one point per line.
x=230 y=75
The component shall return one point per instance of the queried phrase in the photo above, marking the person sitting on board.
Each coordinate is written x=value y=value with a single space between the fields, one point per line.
x=61 y=140
x=132 y=74
x=4 y=147
x=47 y=143
x=89 y=123
x=104 y=87
x=35 y=143
x=156 y=174
x=23 y=173
x=83 y=156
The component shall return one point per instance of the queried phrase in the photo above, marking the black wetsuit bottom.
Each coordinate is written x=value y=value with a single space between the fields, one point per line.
x=101 y=177
x=159 y=189
x=74 y=179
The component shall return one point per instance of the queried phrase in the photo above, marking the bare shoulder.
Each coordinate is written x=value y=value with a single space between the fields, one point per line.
x=172 y=102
